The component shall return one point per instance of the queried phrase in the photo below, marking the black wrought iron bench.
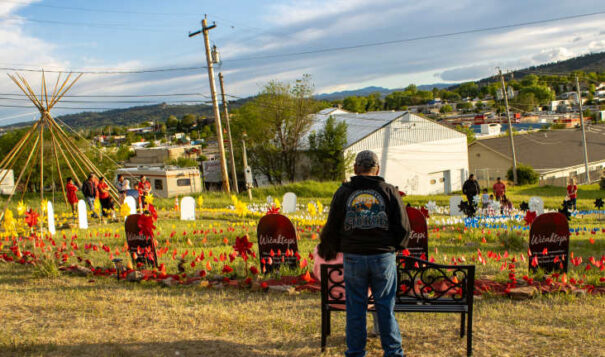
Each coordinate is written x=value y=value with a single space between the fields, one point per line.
x=422 y=287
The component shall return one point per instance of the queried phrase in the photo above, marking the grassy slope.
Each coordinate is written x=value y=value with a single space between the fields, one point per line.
x=74 y=316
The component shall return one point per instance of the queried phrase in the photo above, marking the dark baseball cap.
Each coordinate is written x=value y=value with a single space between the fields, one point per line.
x=366 y=160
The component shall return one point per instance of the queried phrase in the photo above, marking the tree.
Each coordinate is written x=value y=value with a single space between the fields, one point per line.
x=172 y=122
x=275 y=122
x=470 y=134
x=188 y=121
x=355 y=104
x=445 y=109
x=326 y=149
x=464 y=106
x=468 y=89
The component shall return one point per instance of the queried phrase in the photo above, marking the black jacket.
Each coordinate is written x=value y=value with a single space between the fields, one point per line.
x=366 y=217
x=471 y=187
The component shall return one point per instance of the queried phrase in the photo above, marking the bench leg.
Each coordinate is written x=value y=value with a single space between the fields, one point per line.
x=469 y=334
x=324 y=327
x=462 y=318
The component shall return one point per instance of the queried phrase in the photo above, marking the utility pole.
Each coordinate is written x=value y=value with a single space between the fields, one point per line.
x=247 y=170
x=226 y=114
x=217 y=117
x=583 y=130
x=510 y=128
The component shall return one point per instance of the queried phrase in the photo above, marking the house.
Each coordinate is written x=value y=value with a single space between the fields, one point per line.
x=416 y=154
x=555 y=154
x=161 y=154
x=166 y=181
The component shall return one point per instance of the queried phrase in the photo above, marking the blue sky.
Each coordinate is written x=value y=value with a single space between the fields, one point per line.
x=136 y=34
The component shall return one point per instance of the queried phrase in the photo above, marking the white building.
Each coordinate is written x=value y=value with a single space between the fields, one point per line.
x=7 y=182
x=416 y=154
x=166 y=181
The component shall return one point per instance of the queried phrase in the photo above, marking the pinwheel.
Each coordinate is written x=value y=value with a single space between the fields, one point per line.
x=431 y=206
x=21 y=208
x=529 y=218
x=524 y=206
x=31 y=218
x=146 y=226
x=200 y=201
x=598 y=203
x=124 y=210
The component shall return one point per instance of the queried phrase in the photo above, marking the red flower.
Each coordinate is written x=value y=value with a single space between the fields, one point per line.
x=227 y=269
x=146 y=225
x=31 y=218
x=254 y=270
x=242 y=246
x=273 y=210
x=153 y=212
x=530 y=216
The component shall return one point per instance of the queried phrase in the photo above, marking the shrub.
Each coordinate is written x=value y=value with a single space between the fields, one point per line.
x=46 y=268
x=526 y=175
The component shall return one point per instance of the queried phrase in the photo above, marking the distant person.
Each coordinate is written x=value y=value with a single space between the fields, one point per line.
x=572 y=193
x=123 y=185
x=471 y=188
x=499 y=189
x=368 y=223
x=144 y=188
x=485 y=199
x=105 y=198
x=95 y=181
x=90 y=192
x=506 y=206
x=72 y=198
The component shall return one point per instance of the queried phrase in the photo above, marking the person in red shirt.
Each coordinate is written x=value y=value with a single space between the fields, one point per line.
x=499 y=189
x=71 y=189
x=104 y=197
x=572 y=192
x=144 y=188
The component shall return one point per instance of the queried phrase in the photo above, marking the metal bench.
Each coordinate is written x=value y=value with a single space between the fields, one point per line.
x=422 y=286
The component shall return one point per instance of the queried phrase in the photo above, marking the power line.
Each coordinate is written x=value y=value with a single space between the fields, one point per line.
x=419 y=38
x=105 y=26
x=118 y=95
x=97 y=10
x=108 y=71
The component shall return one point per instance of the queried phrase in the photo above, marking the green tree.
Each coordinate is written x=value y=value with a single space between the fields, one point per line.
x=172 y=122
x=468 y=89
x=470 y=134
x=188 y=121
x=275 y=122
x=355 y=104
x=445 y=109
x=326 y=149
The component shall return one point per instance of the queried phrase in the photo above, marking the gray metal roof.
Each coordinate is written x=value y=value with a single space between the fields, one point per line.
x=358 y=125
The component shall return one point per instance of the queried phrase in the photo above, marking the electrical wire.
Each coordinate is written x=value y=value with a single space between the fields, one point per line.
x=97 y=10
x=108 y=71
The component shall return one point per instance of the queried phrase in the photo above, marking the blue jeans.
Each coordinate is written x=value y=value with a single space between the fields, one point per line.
x=378 y=272
x=90 y=201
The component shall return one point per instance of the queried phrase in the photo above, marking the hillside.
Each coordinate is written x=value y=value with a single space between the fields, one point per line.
x=372 y=89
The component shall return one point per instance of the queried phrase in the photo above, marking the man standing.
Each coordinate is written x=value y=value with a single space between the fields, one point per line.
x=368 y=223
x=144 y=188
x=499 y=189
x=471 y=188
x=90 y=192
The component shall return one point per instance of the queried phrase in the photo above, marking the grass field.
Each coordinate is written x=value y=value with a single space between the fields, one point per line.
x=46 y=312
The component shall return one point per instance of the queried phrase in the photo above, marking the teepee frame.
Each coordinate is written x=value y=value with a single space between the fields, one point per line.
x=62 y=144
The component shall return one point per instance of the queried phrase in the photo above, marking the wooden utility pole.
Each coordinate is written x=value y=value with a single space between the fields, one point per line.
x=226 y=114
x=510 y=128
x=583 y=130
x=247 y=170
x=217 y=117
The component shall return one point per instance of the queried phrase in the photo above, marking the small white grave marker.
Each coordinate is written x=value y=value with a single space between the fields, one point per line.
x=82 y=215
x=536 y=205
x=132 y=204
x=187 y=209
x=51 y=218
x=454 y=203
x=289 y=203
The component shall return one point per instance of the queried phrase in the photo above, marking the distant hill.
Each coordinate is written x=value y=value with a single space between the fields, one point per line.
x=362 y=92
x=592 y=62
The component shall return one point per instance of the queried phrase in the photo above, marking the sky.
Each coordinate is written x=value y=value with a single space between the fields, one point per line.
x=260 y=41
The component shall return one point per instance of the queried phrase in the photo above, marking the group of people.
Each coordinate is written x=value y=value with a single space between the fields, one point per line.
x=97 y=188
x=472 y=189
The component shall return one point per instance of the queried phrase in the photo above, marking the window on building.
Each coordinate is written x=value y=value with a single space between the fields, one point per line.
x=158 y=184
x=433 y=181
x=441 y=179
x=183 y=182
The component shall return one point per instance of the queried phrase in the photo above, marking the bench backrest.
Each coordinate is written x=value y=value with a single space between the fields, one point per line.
x=418 y=281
